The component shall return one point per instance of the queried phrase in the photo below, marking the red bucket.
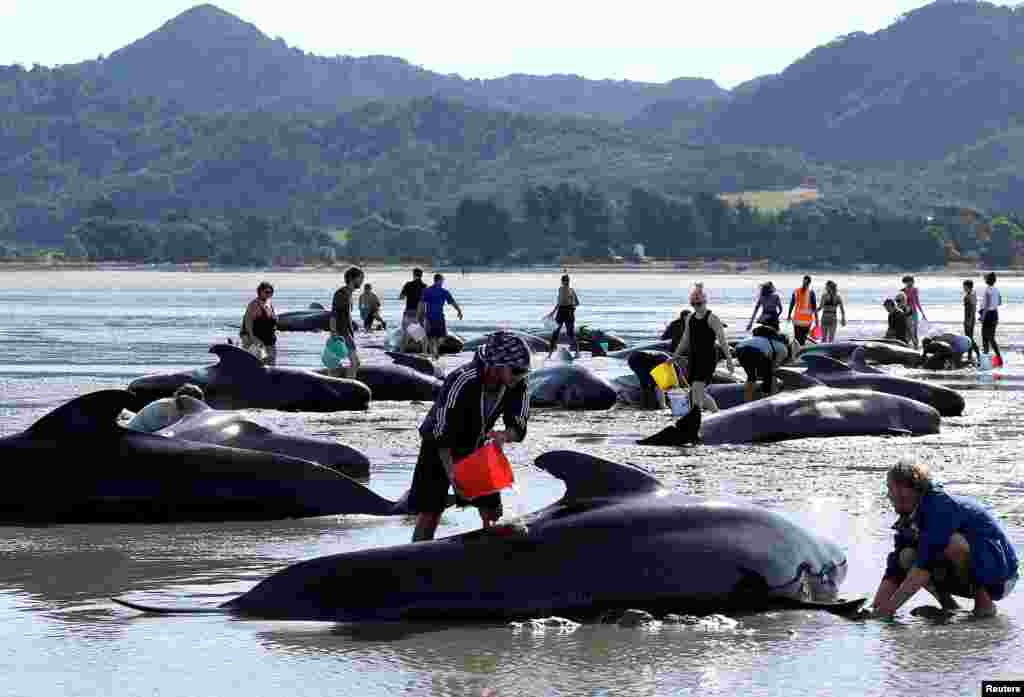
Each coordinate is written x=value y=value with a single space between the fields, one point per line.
x=484 y=471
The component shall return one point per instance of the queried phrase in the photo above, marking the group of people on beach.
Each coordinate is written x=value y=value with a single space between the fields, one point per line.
x=949 y=545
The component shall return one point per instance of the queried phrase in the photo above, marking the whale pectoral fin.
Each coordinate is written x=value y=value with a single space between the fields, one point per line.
x=157 y=610
x=836 y=607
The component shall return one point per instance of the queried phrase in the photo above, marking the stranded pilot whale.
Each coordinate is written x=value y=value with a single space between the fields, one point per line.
x=858 y=376
x=201 y=424
x=241 y=381
x=77 y=465
x=813 y=412
x=617 y=539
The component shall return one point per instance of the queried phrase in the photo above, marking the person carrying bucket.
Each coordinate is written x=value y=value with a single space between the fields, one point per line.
x=698 y=342
x=805 y=303
x=461 y=421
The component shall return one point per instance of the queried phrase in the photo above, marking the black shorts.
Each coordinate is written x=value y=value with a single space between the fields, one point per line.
x=430 y=484
x=800 y=333
x=701 y=368
x=989 y=323
x=436 y=329
x=756 y=365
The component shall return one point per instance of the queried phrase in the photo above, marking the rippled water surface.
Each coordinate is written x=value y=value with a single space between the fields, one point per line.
x=62 y=335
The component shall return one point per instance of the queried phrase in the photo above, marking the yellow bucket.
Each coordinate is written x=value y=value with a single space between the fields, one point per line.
x=665 y=375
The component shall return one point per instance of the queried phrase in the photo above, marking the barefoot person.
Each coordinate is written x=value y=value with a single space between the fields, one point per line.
x=259 y=324
x=703 y=329
x=970 y=311
x=369 y=309
x=411 y=293
x=770 y=305
x=914 y=305
x=341 y=319
x=990 y=315
x=949 y=545
x=431 y=314
x=472 y=398
x=831 y=305
x=565 y=313
x=805 y=302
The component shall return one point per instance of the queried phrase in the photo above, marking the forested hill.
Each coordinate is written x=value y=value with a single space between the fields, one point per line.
x=207 y=60
x=940 y=79
x=68 y=139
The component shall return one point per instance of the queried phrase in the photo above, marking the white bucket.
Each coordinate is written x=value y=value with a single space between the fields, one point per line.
x=679 y=400
x=985 y=361
x=416 y=332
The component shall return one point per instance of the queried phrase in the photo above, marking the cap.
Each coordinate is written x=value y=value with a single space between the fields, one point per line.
x=505 y=349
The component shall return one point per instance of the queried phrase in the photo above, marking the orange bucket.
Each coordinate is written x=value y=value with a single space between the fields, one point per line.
x=484 y=471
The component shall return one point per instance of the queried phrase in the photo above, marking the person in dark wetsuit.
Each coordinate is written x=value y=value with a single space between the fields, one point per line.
x=565 y=313
x=675 y=330
x=259 y=324
x=948 y=545
x=461 y=420
x=703 y=329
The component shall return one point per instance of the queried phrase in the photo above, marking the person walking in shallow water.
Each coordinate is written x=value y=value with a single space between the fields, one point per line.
x=831 y=305
x=565 y=313
x=770 y=305
x=970 y=310
x=990 y=315
x=341 y=318
x=916 y=312
x=259 y=324
x=805 y=302
x=703 y=329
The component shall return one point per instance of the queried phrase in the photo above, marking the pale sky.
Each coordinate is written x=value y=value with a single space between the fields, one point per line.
x=726 y=40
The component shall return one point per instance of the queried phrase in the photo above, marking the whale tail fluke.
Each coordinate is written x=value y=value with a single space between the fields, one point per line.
x=169 y=610
x=685 y=431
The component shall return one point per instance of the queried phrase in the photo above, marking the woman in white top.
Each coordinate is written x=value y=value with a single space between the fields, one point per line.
x=989 y=314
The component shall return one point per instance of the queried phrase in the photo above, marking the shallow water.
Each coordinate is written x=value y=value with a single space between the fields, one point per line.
x=62 y=335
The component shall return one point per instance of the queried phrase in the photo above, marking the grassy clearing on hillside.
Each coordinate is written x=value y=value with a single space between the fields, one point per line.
x=771 y=201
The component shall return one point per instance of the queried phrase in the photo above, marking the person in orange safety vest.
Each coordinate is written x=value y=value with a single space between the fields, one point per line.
x=806 y=304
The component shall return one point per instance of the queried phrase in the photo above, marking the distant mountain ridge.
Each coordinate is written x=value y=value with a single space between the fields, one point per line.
x=209 y=60
x=943 y=77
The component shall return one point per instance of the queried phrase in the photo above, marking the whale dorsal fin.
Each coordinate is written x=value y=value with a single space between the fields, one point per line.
x=316 y=306
x=588 y=477
x=823 y=364
x=191 y=405
x=795 y=380
x=236 y=359
x=858 y=361
x=92 y=412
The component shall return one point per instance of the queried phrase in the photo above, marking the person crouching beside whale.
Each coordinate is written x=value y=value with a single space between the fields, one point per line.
x=760 y=355
x=949 y=545
x=698 y=342
x=164 y=412
x=899 y=321
x=461 y=420
x=945 y=351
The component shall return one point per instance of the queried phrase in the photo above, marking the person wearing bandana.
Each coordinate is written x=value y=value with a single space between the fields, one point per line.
x=462 y=419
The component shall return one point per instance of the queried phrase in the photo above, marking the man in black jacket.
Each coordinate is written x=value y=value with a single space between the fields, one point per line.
x=462 y=419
